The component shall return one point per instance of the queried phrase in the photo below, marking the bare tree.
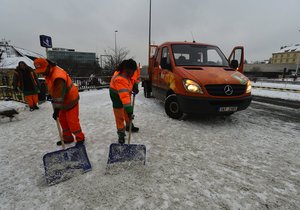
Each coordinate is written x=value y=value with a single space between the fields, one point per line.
x=113 y=58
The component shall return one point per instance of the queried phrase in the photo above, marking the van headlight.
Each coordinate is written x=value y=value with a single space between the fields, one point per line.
x=249 y=87
x=192 y=86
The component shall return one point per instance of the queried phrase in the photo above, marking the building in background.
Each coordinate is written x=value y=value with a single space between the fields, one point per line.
x=287 y=55
x=284 y=63
x=78 y=64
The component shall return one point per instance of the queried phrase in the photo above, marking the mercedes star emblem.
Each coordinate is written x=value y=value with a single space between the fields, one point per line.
x=228 y=90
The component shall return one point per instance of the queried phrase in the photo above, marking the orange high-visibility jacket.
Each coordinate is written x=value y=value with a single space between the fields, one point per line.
x=120 y=89
x=136 y=76
x=66 y=95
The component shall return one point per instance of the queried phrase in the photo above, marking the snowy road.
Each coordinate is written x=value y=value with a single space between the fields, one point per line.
x=250 y=160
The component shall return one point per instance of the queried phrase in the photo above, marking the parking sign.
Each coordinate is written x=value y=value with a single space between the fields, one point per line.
x=45 y=41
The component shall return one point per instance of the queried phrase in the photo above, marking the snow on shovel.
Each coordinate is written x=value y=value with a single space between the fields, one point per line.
x=127 y=152
x=66 y=163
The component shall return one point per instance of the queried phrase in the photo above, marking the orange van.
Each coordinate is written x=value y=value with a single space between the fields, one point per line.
x=196 y=78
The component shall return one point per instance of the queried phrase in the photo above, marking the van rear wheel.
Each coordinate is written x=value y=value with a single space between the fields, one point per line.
x=172 y=107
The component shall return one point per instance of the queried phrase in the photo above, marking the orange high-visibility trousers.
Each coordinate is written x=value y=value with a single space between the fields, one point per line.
x=69 y=121
x=32 y=100
x=121 y=116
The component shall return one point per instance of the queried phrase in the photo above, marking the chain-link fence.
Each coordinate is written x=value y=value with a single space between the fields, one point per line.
x=89 y=83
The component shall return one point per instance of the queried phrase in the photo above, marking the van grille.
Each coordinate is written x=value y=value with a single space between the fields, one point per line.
x=218 y=90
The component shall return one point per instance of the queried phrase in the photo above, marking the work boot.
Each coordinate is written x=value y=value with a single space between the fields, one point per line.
x=36 y=107
x=121 y=135
x=133 y=128
x=66 y=142
x=31 y=109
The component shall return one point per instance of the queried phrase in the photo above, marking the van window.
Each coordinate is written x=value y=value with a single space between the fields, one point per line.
x=165 y=59
x=157 y=55
x=198 y=55
x=213 y=57
x=165 y=55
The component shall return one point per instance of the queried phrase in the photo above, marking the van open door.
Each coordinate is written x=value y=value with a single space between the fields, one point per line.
x=236 y=59
x=151 y=56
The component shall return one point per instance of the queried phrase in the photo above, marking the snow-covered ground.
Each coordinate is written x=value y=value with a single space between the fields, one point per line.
x=247 y=161
x=286 y=95
x=276 y=85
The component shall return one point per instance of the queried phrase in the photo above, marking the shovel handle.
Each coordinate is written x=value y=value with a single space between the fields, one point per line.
x=130 y=120
x=60 y=133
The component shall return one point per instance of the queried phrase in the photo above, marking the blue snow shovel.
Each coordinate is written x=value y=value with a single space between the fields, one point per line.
x=66 y=163
x=127 y=152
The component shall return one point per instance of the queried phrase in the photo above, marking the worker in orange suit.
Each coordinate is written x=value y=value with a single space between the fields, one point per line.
x=134 y=86
x=121 y=86
x=26 y=80
x=65 y=100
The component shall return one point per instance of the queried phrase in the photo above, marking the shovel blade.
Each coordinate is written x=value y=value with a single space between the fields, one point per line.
x=65 y=164
x=126 y=152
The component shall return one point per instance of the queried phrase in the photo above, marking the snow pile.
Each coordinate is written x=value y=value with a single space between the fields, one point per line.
x=8 y=105
x=247 y=161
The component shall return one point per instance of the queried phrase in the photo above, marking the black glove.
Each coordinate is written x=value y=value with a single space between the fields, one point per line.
x=135 y=89
x=55 y=114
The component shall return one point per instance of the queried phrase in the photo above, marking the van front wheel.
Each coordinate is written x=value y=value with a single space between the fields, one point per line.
x=172 y=107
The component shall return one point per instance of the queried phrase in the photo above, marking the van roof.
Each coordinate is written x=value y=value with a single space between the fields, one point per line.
x=193 y=43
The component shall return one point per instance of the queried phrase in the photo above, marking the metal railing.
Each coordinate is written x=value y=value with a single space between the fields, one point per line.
x=7 y=93
x=90 y=83
x=83 y=83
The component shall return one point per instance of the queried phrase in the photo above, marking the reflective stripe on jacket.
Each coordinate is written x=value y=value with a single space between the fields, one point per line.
x=66 y=95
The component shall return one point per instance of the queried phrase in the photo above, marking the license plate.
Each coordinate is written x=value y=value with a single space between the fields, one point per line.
x=228 y=109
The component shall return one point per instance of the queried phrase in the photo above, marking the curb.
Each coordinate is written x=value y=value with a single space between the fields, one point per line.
x=277 y=101
x=277 y=89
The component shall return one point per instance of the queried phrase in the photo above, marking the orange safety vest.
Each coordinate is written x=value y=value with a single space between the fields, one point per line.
x=72 y=97
x=120 y=90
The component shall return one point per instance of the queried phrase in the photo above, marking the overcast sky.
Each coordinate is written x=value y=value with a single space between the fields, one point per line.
x=262 y=26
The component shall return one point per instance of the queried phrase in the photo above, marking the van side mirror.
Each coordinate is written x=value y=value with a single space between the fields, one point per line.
x=234 y=64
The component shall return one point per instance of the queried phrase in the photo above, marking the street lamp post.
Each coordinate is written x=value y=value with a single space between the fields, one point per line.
x=149 y=50
x=116 y=44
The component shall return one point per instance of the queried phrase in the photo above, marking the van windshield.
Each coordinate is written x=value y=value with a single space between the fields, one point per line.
x=198 y=55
